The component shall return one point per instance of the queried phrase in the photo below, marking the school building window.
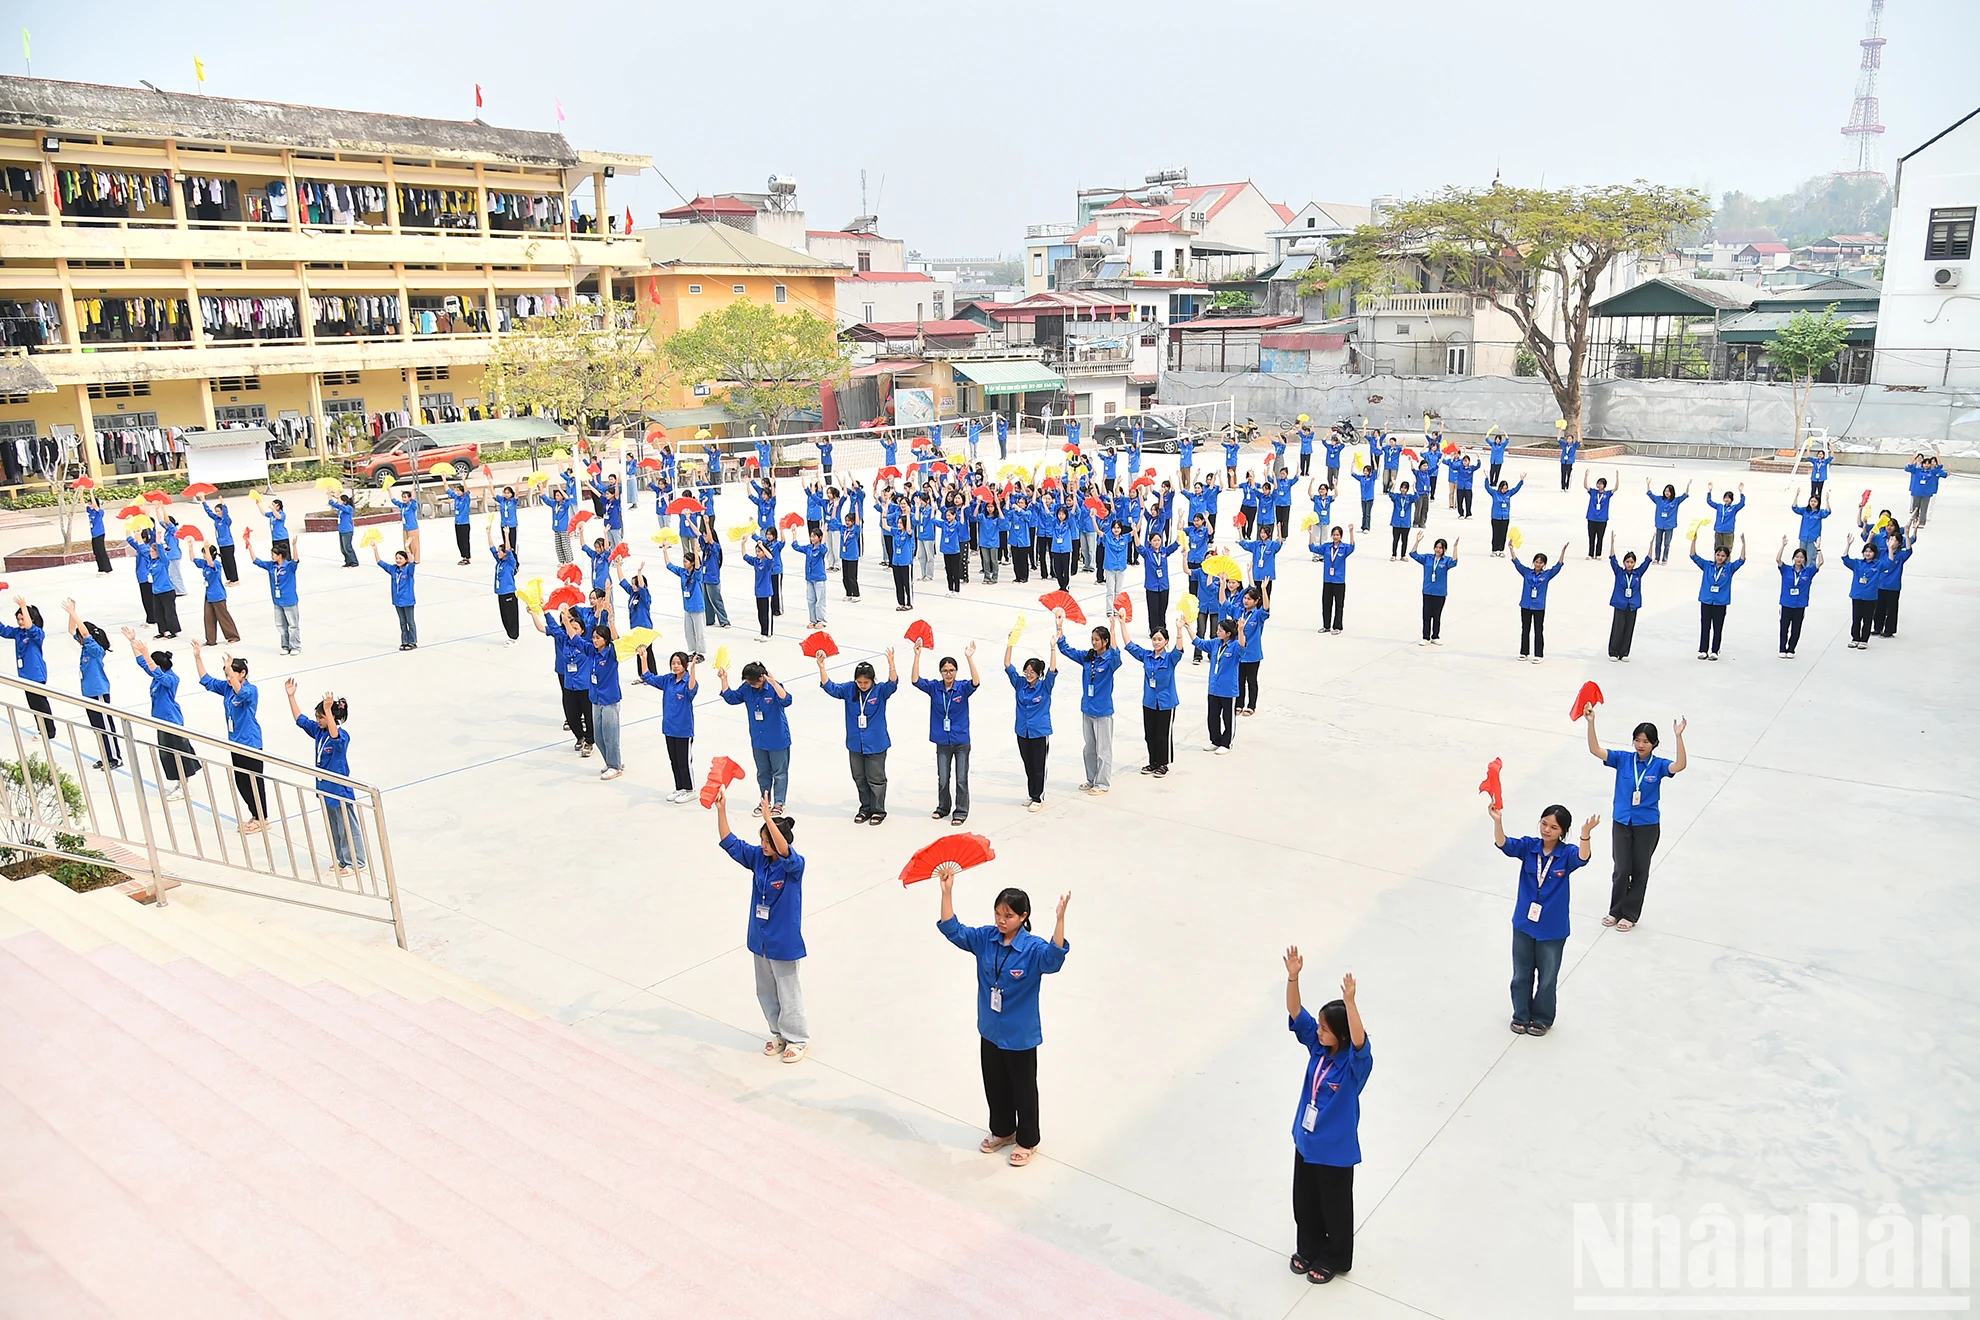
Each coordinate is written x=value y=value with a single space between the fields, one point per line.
x=865 y=261
x=738 y=289
x=1949 y=235
x=235 y=384
x=135 y=389
x=340 y=378
x=694 y=288
x=781 y=294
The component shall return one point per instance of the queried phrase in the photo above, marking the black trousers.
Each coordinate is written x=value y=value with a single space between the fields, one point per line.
x=1862 y=614
x=1249 y=513
x=1567 y=474
x=1597 y=531
x=1221 y=710
x=150 y=602
x=1464 y=494
x=1333 y=598
x=1493 y=475
x=1622 y=631
x=1791 y=627
x=102 y=554
x=1159 y=728
x=777 y=593
x=509 y=538
x=903 y=588
x=1433 y=617
x=952 y=567
x=1398 y=542
x=764 y=624
x=1633 y=846
x=1158 y=609
x=505 y=604
x=1062 y=567
x=1021 y=560
x=1247 y=697
x=1284 y=512
x=1887 y=612
x=111 y=751
x=577 y=713
x=1711 y=627
x=250 y=781
x=677 y=757
x=1532 y=630
x=849 y=574
x=39 y=702
x=1010 y=1088
x=1323 y=1214
x=181 y=767
x=165 y=608
x=461 y=540
x=1305 y=462
x=226 y=563
x=1499 y=526
x=1032 y=751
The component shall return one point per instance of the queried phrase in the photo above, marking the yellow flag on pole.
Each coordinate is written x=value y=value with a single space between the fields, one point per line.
x=199 y=70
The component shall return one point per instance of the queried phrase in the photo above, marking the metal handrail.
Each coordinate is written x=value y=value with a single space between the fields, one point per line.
x=121 y=775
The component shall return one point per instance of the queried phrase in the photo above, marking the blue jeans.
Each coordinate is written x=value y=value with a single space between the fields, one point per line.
x=1533 y=1002
x=346 y=834
x=605 y=728
x=1660 y=543
x=714 y=608
x=773 y=772
x=408 y=629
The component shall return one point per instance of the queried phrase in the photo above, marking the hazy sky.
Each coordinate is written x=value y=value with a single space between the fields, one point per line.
x=981 y=118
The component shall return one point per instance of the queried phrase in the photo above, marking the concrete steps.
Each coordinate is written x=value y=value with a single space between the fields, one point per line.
x=216 y=1117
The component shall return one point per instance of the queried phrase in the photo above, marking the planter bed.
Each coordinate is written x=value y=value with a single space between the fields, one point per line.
x=52 y=556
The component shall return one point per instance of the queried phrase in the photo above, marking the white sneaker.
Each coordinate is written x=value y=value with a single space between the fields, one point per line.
x=1436 y=641
x=1221 y=751
x=176 y=795
x=1034 y=806
x=1539 y=659
x=609 y=773
x=1701 y=655
x=1424 y=642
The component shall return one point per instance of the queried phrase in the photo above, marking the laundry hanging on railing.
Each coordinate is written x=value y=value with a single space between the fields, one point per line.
x=438 y=208
x=249 y=318
x=96 y=192
x=336 y=203
x=536 y=211
x=133 y=320
x=22 y=185
x=355 y=314
x=30 y=324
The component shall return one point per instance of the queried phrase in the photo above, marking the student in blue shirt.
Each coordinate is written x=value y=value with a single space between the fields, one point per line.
x=333 y=755
x=223 y=533
x=764 y=701
x=281 y=572
x=1098 y=665
x=693 y=604
x=1326 y=1127
x=776 y=923
x=1636 y=819
x=948 y=728
x=573 y=663
x=242 y=701
x=1155 y=552
x=1540 y=913
x=1402 y=511
x=1224 y=652
x=1865 y=577
x=1010 y=964
x=278 y=522
x=851 y=544
x=1033 y=697
x=1715 y=593
x=1812 y=515
x=761 y=567
x=93 y=506
x=1501 y=496
x=1333 y=578
x=1231 y=447
x=560 y=522
x=1159 y=697
x=1251 y=627
x=1496 y=444
x=1926 y=474
x=1599 y=496
x=678 y=688
x=345 y=507
x=605 y=695
x=1365 y=480
x=1569 y=449
x=1725 y=517
x=1533 y=601
x=213 y=610
x=1334 y=447
x=401 y=570
x=30 y=662
x=1818 y=471
x=1666 y=517
x=175 y=751
x=1895 y=553
x=1625 y=599
x=461 y=505
x=1797 y=583
x=505 y=587
x=867 y=740
x=1437 y=568
x=408 y=520
x=161 y=604
x=95 y=645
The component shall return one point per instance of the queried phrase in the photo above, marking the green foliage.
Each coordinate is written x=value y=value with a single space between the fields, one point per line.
x=39 y=796
x=1537 y=254
x=771 y=362
x=1524 y=363
x=1809 y=343
x=578 y=363
x=1227 y=298
x=1819 y=207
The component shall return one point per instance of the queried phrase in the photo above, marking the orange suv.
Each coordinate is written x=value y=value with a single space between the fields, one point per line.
x=402 y=452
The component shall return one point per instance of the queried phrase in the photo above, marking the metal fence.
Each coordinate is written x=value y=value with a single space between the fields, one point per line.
x=84 y=782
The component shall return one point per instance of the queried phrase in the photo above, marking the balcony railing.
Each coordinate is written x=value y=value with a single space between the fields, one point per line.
x=1420 y=304
x=1061 y=229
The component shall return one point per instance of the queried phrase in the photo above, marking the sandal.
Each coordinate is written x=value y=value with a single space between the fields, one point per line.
x=792 y=1053
x=1608 y=921
x=774 y=1046
x=1298 y=1266
x=1318 y=1275
x=1625 y=925
x=1021 y=1156
x=992 y=1144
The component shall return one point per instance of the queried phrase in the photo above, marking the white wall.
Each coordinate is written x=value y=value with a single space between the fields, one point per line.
x=896 y=301
x=1927 y=335
x=884 y=253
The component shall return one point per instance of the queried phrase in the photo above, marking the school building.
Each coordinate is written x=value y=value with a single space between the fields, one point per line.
x=171 y=262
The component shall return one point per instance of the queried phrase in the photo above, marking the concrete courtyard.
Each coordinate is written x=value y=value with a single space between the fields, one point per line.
x=1796 y=1020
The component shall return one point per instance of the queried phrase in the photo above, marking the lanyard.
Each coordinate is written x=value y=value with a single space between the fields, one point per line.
x=1641 y=768
x=1321 y=1067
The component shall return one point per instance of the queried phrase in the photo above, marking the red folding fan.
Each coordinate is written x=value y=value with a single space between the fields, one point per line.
x=1062 y=600
x=1590 y=695
x=721 y=773
x=1490 y=785
x=948 y=856
x=817 y=644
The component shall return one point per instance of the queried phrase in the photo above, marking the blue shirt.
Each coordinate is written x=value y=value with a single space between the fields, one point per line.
x=604 y=675
x=1159 y=692
x=769 y=727
x=1924 y=481
x=1549 y=890
x=691 y=597
x=1637 y=784
x=1254 y=634
x=1096 y=695
x=1533 y=596
x=402 y=581
x=1725 y=513
x=223 y=522
x=278 y=525
x=29 y=662
x=677 y=708
x=1667 y=510
x=1436 y=572
x=95 y=683
x=1502 y=500
x=216 y=580
x=1402 y=508
x=332 y=754
x=948 y=710
x=96 y=522
x=1795 y=585
x=1223 y=664
x=1811 y=520
x=1569 y=448
x=1366 y=480
x=1333 y=559
x=346 y=516
x=164 y=692
x=1598 y=504
x=281 y=579
x=1155 y=566
x=1627 y=593
x=505 y=576
x=1034 y=702
x=1332 y=1088
x=574 y=656
x=1013 y=971
x=243 y=724
x=776 y=899
x=1865 y=577
x=1715 y=583
x=866 y=714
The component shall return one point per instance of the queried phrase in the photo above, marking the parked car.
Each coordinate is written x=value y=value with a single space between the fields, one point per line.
x=401 y=452
x=1159 y=435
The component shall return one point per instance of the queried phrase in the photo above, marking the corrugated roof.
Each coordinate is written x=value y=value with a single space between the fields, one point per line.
x=1757 y=327
x=1016 y=376
x=889 y=277
x=1236 y=323
x=707 y=244
x=1674 y=295
x=881 y=330
x=45 y=104
x=701 y=206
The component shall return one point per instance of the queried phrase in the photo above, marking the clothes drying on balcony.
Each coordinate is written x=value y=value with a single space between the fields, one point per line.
x=538 y=211
x=249 y=318
x=355 y=314
x=30 y=324
x=133 y=320
x=22 y=185
x=101 y=192
x=438 y=208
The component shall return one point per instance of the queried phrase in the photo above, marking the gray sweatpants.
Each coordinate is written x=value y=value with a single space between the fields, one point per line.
x=1097 y=747
x=693 y=630
x=781 y=998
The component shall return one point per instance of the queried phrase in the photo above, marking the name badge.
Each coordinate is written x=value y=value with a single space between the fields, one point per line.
x=1636 y=798
x=1533 y=912
x=759 y=717
x=1310 y=1118
x=996 y=1000
x=1628 y=592
x=862 y=721
x=1151 y=685
x=763 y=912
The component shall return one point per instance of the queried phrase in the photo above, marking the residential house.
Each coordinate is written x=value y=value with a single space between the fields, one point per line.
x=893 y=295
x=1764 y=256
x=1168 y=229
x=1928 y=330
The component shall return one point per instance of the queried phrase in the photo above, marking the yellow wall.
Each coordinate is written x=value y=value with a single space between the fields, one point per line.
x=666 y=302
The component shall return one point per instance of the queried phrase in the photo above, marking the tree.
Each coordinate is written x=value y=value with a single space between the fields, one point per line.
x=770 y=362
x=577 y=364
x=1803 y=348
x=1538 y=255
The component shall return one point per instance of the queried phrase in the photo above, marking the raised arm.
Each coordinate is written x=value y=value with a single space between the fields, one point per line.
x=1678 y=730
x=1356 y=1032
x=1594 y=743
x=914 y=670
x=969 y=655
x=1498 y=825
x=1588 y=833
x=295 y=711
x=1059 y=930
x=948 y=883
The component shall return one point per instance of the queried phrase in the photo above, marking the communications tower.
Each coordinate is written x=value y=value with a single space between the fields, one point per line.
x=1865 y=127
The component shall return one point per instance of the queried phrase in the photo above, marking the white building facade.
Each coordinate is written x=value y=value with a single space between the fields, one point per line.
x=1928 y=323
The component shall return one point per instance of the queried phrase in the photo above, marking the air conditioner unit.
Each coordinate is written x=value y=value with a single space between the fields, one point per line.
x=1946 y=277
